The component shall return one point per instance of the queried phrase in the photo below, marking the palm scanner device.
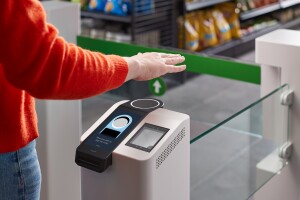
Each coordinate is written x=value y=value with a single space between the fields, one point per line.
x=136 y=151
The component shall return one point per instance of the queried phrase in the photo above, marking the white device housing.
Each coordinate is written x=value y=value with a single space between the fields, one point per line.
x=162 y=174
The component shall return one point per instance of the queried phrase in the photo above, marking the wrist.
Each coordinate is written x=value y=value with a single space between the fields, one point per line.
x=133 y=68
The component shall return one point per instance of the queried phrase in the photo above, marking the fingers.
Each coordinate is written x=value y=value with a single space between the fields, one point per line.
x=174 y=60
x=168 y=55
x=175 y=69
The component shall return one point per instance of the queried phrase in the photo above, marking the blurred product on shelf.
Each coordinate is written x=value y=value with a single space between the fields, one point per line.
x=118 y=37
x=297 y=12
x=206 y=30
x=231 y=14
x=188 y=33
x=118 y=7
x=221 y=26
x=209 y=27
x=285 y=15
x=246 y=5
x=114 y=32
x=110 y=6
x=257 y=25
x=84 y=4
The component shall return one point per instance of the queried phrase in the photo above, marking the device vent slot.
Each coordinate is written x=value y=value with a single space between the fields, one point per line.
x=170 y=148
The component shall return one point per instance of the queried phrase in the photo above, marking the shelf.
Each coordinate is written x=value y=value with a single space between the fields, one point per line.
x=289 y=3
x=238 y=45
x=243 y=40
x=98 y=15
x=255 y=34
x=198 y=5
x=124 y=19
x=260 y=11
x=291 y=24
x=248 y=14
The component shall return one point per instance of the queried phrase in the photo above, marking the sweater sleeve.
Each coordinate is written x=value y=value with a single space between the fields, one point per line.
x=35 y=59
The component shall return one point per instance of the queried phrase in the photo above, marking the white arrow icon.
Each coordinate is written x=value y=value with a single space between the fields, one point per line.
x=157 y=86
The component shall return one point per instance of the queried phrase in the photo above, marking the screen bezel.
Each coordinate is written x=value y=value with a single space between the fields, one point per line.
x=151 y=126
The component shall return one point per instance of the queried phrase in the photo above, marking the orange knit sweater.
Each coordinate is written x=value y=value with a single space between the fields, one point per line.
x=36 y=62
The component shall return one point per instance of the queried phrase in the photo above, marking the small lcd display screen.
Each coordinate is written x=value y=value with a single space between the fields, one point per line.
x=110 y=133
x=147 y=137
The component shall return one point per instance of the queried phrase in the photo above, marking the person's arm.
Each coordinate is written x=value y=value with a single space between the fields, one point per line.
x=34 y=58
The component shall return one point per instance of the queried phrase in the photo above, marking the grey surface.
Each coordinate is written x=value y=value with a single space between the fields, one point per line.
x=223 y=164
x=248 y=57
x=211 y=99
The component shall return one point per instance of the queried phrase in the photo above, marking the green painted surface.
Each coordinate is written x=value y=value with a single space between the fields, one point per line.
x=157 y=86
x=195 y=63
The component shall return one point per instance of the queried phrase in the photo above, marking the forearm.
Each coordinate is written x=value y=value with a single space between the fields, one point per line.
x=37 y=60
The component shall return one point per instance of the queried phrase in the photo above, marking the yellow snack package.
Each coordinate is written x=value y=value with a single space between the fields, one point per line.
x=207 y=31
x=191 y=40
x=230 y=13
x=199 y=30
x=221 y=25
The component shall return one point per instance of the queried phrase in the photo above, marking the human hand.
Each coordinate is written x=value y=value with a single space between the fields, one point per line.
x=147 y=66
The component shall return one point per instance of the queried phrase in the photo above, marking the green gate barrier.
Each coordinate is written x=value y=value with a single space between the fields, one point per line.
x=195 y=63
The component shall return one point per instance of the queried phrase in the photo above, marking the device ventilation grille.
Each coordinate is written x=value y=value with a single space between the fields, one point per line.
x=170 y=148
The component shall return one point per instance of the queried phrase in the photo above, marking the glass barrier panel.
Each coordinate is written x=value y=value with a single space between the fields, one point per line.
x=233 y=159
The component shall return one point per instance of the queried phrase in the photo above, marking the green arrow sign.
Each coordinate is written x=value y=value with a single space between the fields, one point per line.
x=157 y=87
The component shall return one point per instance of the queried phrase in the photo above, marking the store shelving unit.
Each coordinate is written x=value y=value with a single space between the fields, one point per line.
x=198 y=5
x=289 y=3
x=283 y=4
x=260 y=11
x=161 y=19
x=237 y=47
x=164 y=20
x=101 y=16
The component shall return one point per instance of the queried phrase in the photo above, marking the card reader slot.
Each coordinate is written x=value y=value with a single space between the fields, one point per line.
x=87 y=162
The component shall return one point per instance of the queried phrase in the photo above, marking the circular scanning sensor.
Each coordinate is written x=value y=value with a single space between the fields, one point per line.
x=145 y=103
x=120 y=122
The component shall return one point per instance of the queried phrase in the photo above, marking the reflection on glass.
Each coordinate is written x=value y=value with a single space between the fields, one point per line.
x=233 y=159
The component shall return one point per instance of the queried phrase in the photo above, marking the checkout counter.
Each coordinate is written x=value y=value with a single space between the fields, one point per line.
x=246 y=156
